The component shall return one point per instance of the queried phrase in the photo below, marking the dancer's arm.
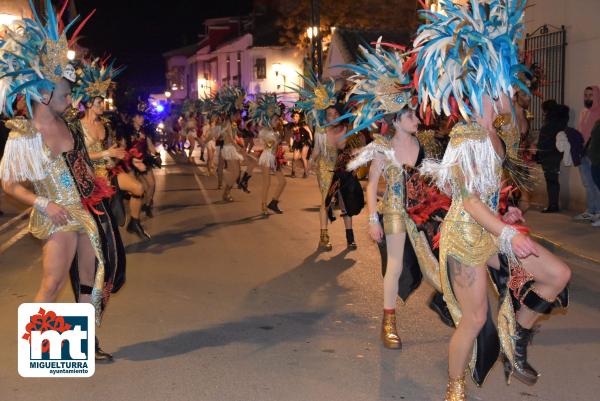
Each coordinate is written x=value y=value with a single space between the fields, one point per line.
x=57 y=214
x=375 y=229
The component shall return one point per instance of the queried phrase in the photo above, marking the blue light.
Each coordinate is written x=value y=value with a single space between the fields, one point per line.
x=160 y=108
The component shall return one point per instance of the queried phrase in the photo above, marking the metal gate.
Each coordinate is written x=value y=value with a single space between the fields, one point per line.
x=546 y=47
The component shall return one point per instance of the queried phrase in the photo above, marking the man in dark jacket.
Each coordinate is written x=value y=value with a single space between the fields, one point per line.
x=557 y=118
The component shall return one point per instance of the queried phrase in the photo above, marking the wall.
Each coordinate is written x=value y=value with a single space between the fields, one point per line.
x=580 y=17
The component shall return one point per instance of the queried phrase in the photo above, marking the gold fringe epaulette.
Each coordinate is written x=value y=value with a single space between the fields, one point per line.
x=20 y=126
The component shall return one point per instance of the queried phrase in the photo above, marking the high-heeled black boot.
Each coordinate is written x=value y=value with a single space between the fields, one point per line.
x=273 y=205
x=148 y=210
x=520 y=368
x=330 y=214
x=101 y=355
x=350 y=239
x=243 y=184
x=135 y=227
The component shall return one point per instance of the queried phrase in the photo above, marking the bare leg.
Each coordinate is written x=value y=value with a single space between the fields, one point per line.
x=281 y=182
x=395 y=255
x=220 y=166
x=150 y=186
x=470 y=288
x=305 y=150
x=129 y=183
x=551 y=276
x=192 y=140
x=266 y=184
x=58 y=253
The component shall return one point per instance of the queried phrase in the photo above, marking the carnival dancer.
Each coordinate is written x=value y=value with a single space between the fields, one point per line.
x=325 y=106
x=210 y=134
x=470 y=51
x=191 y=109
x=138 y=139
x=382 y=90
x=302 y=142
x=267 y=112
x=230 y=102
x=91 y=89
x=68 y=213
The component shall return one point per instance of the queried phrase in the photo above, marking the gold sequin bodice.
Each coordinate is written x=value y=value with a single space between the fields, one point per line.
x=393 y=201
x=509 y=133
x=93 y=145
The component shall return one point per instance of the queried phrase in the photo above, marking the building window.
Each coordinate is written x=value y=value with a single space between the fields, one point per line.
x=261 y=68
x=228 y=62
x=239 y=68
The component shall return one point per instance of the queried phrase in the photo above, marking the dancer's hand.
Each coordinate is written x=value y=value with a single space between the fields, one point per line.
x=139 y=165
x=57 y=214
x=513 y=215
x=376 y=232
x=523 y=246
x=117 y=152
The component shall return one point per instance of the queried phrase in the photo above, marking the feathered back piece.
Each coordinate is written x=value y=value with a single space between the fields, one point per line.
x=265 y=108
x=192 y=107
x=316 y=97
x=230 y=99
x=382 y=86
x=33 y=57
x=468 y=51
x=94 y=79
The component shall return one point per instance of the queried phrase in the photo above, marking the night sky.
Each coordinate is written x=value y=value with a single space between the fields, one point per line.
x=138 y=32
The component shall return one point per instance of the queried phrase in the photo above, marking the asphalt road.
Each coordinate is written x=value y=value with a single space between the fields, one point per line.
x=224 y=304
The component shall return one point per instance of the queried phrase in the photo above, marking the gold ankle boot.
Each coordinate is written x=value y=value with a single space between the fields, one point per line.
x=227 y=194
x=456 y=389
x=389 y=334
x=324 y=243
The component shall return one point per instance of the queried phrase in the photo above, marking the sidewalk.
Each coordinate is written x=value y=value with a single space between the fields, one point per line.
x=561 y=233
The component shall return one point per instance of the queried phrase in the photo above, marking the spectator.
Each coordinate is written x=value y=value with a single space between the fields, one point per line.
x=593 y=153
x=587 y=118
x=3 y=138
x=556 y=119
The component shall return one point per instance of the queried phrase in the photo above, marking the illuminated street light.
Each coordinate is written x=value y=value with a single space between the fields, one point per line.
x=312 y=31
x=167 y=94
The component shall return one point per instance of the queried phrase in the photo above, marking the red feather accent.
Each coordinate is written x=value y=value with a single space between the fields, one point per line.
x=431 y=200
x=436 y=240
x=102 y=189
x=80 y=27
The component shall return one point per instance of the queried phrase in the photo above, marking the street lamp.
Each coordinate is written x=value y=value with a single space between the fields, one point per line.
x=312 y=32
x=167 y=94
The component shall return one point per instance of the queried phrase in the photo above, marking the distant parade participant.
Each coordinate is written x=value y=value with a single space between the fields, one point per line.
x=70 y=212
x=267 y=112
x=138 y=138
x=301 y=142
x=230 y=102
x=111 y=161
x=324 y=106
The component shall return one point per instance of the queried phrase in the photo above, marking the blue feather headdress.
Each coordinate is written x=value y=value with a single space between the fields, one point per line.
x=230 y=99
x=381 y=87
x=33 y=57
x=467 y=52
x=265 y=107
x=316 y=97
x=94 y=79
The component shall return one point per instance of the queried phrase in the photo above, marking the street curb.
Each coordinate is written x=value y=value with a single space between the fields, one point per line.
x=560 y=248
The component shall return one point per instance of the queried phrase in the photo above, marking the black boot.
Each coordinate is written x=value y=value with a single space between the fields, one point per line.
x=520 y=368
x=274 y=206
x=243 y=184
x=330 y=214
x=148 y=210
x=350 y=239
x=438 y=305
x=135 y=227
x=102 y=356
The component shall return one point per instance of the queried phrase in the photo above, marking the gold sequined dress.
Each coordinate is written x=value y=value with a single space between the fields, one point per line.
x=325 y=162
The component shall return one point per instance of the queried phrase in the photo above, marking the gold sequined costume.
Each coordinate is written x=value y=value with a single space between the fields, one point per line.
x=57 y=184
x=393 y=205
x=325 y=162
